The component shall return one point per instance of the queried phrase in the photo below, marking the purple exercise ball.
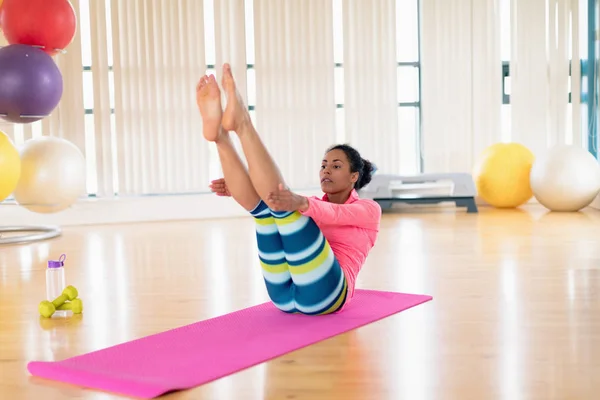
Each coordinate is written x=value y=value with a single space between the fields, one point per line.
x=31 y=84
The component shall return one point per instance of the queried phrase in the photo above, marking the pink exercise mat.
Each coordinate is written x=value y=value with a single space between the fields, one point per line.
x=195 y=354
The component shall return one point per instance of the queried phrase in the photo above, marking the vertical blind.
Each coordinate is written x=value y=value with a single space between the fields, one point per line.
x=313 y=73
x=465 y=47
x=295 y=107
x=370 y=81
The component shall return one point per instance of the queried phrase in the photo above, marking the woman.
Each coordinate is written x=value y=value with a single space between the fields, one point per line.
x=310 y=249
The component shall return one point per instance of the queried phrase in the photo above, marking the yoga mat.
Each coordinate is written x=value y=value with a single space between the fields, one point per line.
x=195 y=354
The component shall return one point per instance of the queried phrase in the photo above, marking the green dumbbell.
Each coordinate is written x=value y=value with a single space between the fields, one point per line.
x=48 y=308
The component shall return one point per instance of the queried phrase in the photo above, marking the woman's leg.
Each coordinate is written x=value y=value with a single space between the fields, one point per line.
x=319 y=285
x=274 y=267
x=208 y=98
x=264 y=173
x=300 y=270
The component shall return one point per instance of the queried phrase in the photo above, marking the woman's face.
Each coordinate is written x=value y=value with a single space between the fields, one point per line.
x=335 y=173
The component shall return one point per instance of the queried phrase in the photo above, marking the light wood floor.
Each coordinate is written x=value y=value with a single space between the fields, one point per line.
x=515 y=315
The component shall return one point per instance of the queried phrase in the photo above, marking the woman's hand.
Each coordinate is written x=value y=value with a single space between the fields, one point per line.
x=219 y=187
x=284 y=200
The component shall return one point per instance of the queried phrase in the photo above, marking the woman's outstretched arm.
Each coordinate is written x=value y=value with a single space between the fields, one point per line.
x=363 y=213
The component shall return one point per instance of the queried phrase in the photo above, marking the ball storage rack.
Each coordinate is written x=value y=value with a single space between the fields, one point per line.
x=36 y=234
x=26 y=234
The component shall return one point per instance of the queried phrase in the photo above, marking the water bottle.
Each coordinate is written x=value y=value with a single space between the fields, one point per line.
x=56 y=282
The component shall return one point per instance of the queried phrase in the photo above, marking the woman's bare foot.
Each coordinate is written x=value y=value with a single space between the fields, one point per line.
x=264 y=173
x=236 y=115
x=208 y=99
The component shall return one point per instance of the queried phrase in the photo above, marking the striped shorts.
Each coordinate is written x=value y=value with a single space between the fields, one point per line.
x=301 y=273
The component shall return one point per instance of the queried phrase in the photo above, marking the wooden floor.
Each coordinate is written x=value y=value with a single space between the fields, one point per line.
x=515 y=314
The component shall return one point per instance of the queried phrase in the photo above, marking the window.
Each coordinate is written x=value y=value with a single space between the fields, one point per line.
x=408 y=73
x=587 y=51
x=408 y=84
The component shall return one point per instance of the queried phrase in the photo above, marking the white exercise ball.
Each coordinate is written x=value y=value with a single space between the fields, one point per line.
x=53 y=175
x=565 y=178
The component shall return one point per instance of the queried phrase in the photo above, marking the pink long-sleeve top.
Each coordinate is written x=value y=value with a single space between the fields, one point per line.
x=351 y=230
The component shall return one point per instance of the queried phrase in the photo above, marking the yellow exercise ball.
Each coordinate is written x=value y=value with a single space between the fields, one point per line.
x=10 y=166
x=501 y=175
x=53 y=175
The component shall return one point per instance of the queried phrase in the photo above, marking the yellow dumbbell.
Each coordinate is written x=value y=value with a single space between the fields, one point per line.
x=76 y=306
x=48 y=308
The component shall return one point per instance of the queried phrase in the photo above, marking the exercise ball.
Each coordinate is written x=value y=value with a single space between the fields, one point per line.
x=50 y=24
x=501 y=175
x=31 y=84
x=53 y=175
x=10 y=166
x=565 y=178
